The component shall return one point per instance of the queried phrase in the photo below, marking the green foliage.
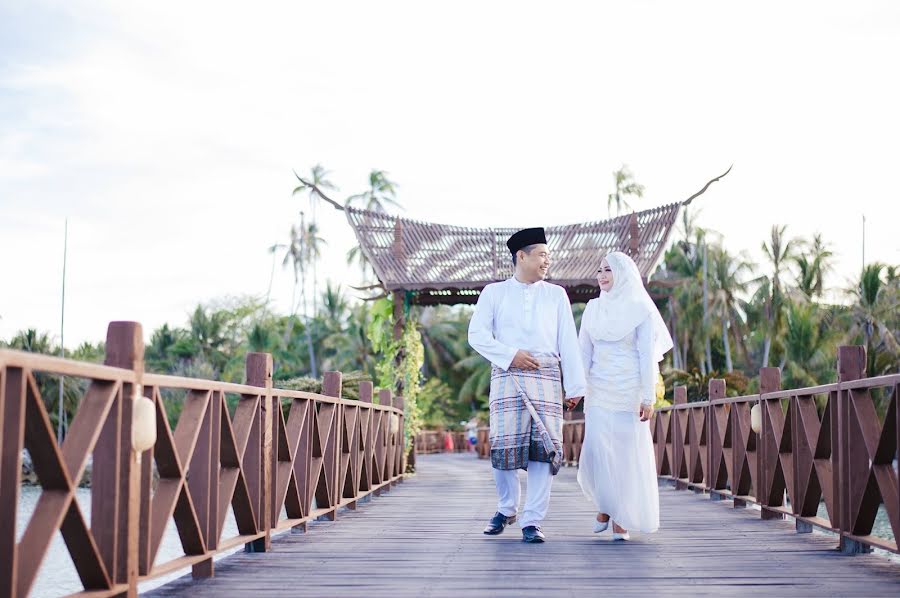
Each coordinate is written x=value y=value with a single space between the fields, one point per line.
x=400 y=360
x=754 y=314
x=697 y=383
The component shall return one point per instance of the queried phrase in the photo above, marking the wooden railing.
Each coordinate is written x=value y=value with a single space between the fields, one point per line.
x=435 y=441
x=300 y=453
x=843 y=455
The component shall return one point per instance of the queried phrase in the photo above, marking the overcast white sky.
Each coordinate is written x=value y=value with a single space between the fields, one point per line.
x=166 y=132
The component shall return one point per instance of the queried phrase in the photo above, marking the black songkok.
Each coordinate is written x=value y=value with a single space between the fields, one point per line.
x=524 y=238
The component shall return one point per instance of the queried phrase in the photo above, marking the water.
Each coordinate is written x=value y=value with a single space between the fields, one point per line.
x=57 y=575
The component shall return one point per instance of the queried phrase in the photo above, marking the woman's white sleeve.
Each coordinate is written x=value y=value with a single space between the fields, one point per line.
x=648 y=366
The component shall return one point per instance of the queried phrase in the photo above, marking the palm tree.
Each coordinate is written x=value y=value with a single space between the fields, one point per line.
x=444 y=339
x=684 y=264
x=381 y=193
x=308 y=250
x=809 y=354
x=318 y=180
x=728 y=275
x=874 y=315
x=207 y=331
x=32 y=341
x=351 y=346
x=478 y=380
x=625 y=186
x=356 y=257
x=779 y=251
x=273 y=249
x=813 y=267
x=293 y=256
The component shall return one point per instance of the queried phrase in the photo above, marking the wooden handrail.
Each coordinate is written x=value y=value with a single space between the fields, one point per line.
x=436 y=441
x=307 y=454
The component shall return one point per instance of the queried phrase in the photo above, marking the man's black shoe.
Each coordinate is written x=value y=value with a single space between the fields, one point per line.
x=532 y=534
x=497 y=523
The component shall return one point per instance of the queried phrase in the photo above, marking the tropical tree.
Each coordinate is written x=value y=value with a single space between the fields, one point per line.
x=273 y=250
x=874 y=318
x=317 y=181
x=729 y=276
x=779 y=251
x=626 y=187
x=810 y=354
x=298 y=255
x=812 y=266
x=382 y=192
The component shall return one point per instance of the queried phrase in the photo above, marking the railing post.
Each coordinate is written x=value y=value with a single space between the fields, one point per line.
x=400 y=458
x=384 y=398
x=769 y=381
x=677 y=434
x=366 y=393
x=203 y=481
x=716 y=477
x=851 y=366
x=115 y=481
x=12 y=440
x=332 y=386
x=259 y=373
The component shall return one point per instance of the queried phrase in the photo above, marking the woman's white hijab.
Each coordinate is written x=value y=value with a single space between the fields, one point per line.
x=626 y=305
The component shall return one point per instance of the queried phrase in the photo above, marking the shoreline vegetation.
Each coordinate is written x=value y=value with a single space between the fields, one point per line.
x=728 y=316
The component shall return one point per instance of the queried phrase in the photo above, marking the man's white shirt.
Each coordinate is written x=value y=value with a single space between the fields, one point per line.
x=536 y=318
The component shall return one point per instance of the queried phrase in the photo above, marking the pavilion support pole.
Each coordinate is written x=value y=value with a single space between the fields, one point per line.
x=634 y=237
x=399 y=300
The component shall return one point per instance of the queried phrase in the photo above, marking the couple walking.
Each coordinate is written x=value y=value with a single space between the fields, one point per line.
x=524 y=327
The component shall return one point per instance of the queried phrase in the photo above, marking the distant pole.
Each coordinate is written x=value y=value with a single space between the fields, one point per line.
x=863 y=245
x=706 y=343
x=62 y=339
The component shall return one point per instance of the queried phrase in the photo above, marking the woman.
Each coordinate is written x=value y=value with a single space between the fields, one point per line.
x=623 y=339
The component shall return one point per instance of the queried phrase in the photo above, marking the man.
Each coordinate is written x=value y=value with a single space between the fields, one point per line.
x=524 y=327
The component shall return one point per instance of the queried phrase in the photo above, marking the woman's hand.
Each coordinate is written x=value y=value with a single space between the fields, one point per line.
x=573 y=403
x=646 y=412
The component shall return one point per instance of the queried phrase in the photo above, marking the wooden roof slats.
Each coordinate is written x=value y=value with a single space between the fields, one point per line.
x=416 y=256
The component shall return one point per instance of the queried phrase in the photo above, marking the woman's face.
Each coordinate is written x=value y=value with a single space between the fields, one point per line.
x=605 y=276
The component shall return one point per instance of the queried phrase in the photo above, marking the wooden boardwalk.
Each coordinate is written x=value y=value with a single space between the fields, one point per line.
x=424 y=539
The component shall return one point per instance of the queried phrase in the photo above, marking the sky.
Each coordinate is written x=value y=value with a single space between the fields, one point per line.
x=167 y=132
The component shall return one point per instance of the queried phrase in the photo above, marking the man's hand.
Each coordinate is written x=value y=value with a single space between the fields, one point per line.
x=646 y=412
x=573 y=403
x=524 y=361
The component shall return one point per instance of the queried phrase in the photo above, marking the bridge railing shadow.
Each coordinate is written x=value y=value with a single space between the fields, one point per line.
x=786 y=451
x=276 y=458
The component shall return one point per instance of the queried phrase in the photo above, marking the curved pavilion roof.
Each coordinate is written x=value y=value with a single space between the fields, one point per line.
x=443 y=264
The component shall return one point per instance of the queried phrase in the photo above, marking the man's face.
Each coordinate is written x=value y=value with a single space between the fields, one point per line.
x=536 y=264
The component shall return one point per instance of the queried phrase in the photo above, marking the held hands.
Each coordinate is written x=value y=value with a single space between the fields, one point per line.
x=572 y=403
x=646 y=412
x=524 y=361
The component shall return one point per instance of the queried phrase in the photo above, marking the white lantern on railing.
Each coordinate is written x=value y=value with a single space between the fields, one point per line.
x=756 y=418
x=143 y=422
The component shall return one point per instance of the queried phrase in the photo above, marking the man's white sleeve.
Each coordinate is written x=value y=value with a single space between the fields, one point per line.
x=569 y=350
x=481 y=333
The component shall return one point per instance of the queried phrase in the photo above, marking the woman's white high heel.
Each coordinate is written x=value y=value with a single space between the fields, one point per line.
x=600 y=526
x=622 y=536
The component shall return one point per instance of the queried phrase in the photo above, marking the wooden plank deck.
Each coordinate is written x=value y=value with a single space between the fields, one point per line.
x=424 y=539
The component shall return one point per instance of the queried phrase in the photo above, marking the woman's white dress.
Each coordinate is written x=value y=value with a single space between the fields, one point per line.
x=617 y=470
